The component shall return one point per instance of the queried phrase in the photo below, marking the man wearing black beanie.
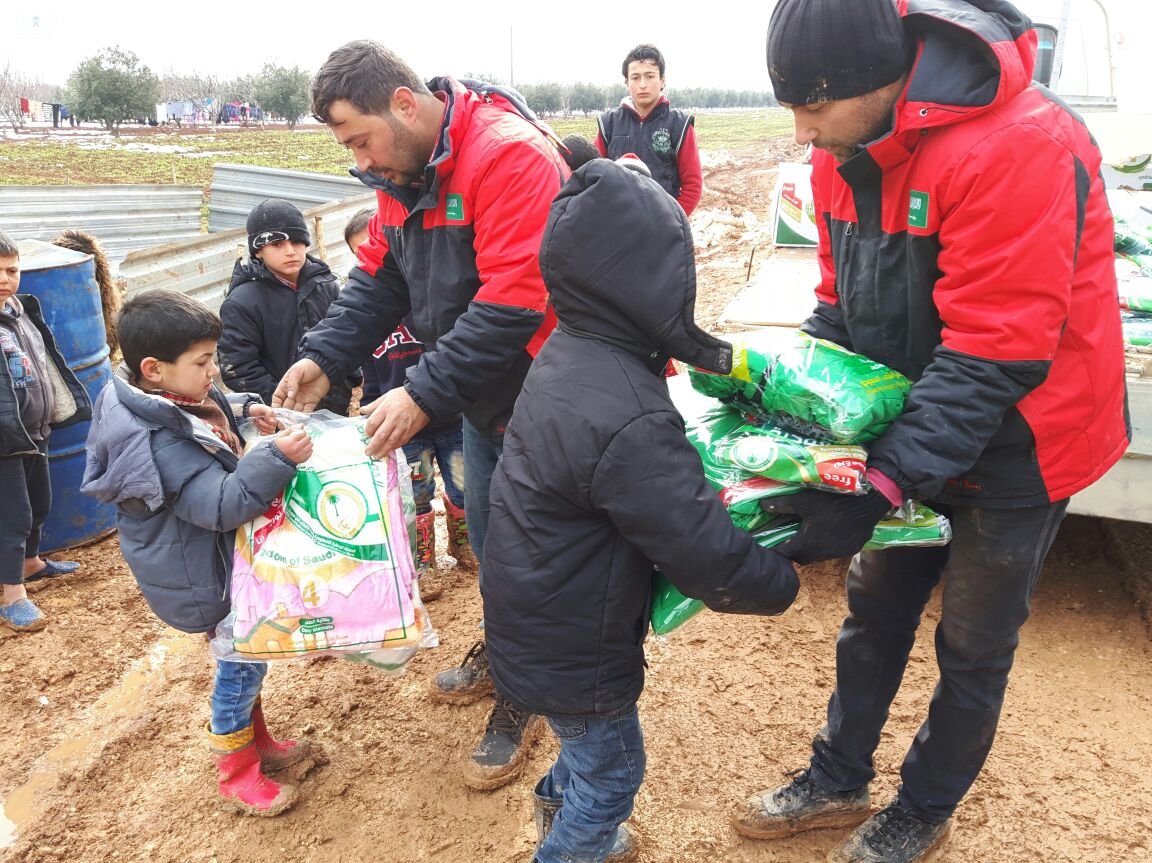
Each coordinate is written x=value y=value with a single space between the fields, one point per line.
x=966 y=241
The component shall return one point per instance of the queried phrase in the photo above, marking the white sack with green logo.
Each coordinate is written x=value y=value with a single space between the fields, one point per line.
x=329 y=567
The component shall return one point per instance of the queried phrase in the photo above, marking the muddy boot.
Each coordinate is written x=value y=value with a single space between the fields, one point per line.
x=431 y=585
x=502 y=753
x=893 y=835
x=459 y=546
x=468 y=682
x=798 y=806
x=544 y=811
x=275 y=754
x=243 y=787
x=624 y=849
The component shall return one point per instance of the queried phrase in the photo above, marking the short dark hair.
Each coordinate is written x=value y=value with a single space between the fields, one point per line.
x=364 y=73
x=641 y=54
x=8 y=247
x=163 y=324
x=358 y=223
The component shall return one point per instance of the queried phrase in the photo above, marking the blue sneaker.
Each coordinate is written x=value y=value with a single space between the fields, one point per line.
x=22 y=616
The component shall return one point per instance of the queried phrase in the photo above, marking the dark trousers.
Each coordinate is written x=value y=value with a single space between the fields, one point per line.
x=989 y=572
x=25 y=500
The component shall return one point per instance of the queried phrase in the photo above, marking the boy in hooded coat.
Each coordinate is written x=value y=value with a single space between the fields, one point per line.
x=597 y=484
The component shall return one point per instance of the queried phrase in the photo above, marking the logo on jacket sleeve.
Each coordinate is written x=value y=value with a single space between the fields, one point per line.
x=454 y=207
x=918 y=210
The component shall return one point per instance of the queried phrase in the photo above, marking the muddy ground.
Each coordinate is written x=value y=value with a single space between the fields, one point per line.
x=104 y=756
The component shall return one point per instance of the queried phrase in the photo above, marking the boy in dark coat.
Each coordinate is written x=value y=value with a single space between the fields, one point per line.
x=274 y=298
x=596 y=485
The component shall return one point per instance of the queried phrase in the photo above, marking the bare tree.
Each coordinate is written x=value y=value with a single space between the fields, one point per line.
x=14 y=86
x=203 y=91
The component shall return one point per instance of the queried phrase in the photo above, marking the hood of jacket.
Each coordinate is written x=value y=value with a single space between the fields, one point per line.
x=971 y=56
x=617 y=259
x=119 y=465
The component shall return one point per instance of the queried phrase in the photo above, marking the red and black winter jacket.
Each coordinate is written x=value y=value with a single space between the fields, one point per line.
x=461 y=252
x=971 y=249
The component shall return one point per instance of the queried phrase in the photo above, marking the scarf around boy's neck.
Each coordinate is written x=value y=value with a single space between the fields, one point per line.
x=209 y=413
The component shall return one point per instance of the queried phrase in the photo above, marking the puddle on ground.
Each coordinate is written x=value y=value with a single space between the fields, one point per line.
x=24 y=804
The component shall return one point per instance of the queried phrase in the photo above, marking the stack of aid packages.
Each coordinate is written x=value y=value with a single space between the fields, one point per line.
x=1134 y=273
x=328 y=569
x=796 y=412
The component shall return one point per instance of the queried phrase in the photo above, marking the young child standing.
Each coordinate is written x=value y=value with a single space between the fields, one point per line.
x=647 y=125
x=38 y=392
x=598 y=483
x=275 y=297
x=165 y=448
x=441 y=442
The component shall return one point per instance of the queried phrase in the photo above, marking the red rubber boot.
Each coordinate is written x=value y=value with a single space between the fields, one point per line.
x=244 y=789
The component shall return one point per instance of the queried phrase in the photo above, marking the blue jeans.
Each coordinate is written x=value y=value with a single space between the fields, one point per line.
x=238 y=685
x=597 y=774
x=481 y=452
x=989 y=572
x=446 y=447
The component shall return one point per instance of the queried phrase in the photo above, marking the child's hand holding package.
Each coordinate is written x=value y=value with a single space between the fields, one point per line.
x=264 y=418
x=294 y=444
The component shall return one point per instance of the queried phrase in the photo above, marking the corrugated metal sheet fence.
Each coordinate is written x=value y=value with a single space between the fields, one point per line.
x=122 y=218
x=236 y=189
x=202 y=267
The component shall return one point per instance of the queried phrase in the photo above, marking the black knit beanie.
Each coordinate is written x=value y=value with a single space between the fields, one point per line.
x=273 y=220
x=823 y=50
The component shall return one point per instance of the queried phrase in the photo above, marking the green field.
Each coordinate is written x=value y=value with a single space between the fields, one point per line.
x=186 y=158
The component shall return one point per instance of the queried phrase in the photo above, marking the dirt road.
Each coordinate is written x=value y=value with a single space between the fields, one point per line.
x=104 y=756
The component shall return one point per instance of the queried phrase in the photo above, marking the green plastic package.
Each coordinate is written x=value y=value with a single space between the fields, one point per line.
x=1136 y=295
x=739 y=489
x=1137 y=328
x=784 y=456
x=1129 y=244
x=912 y=524
x=809 y=386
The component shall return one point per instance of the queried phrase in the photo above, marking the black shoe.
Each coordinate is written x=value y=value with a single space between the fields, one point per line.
x=502 y=753
x=893 y=835
x=798 y=806
x=468 y=682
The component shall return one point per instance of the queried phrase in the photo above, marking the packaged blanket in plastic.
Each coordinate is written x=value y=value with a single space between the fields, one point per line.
x=328 y=569
x=809 y=386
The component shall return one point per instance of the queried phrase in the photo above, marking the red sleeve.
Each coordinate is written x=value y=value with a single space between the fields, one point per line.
x=1004 y=294
x=822 y=167
x=513 y=198
x=688 y=166
x=601 y=144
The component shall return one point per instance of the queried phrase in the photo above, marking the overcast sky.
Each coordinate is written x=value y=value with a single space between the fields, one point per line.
x=711 y=43
x=530 y=41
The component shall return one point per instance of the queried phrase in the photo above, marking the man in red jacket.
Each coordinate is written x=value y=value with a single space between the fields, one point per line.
x=966 y=241
x=464 y=177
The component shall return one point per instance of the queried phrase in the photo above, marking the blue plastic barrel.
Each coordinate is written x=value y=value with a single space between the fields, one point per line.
x=65 y=283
